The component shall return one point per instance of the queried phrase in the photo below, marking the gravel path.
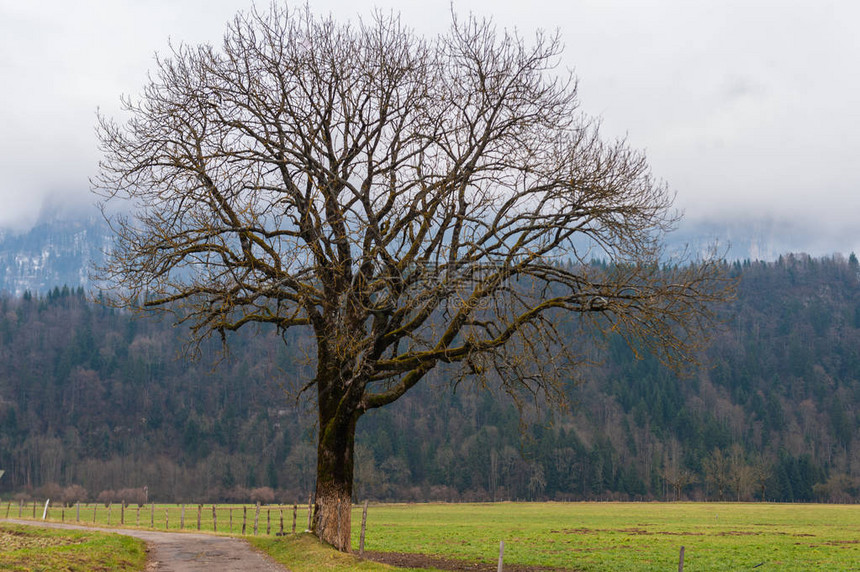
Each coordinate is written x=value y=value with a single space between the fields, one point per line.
x=186 y=552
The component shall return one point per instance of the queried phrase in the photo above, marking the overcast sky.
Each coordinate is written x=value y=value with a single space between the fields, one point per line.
x=746 y=107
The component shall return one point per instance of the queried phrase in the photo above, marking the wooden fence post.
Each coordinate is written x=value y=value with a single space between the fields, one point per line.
x=244 y=517
x=268 y=521
x=295 y=512
x=281 y=513
x=182 y=518
x=78 y=511
x=310 y=505
x=122 y=513
x=8 y=508
x=363 y=528
x=34 y=509
x=20 y=508
x=681 y=561
x=110 y=505
x=95 y=511
x=199 y=511
x=137 y=518
x=256 y=518
x=63 y=514
x=231 y=520
x=501 y=555
x=152 y=515
x=166 y=521
x=214 y=519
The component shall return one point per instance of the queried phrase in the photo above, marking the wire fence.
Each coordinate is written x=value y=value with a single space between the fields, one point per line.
x=248 y=519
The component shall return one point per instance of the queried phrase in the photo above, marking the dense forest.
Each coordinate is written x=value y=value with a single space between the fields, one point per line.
x=97 y=403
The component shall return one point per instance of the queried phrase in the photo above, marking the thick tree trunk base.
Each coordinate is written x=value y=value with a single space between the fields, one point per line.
x=333 y=517
x=338 y=414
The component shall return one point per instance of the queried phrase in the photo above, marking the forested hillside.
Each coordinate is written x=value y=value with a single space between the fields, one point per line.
x=93 y=397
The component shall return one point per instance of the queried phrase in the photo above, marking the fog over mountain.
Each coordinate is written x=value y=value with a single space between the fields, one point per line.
x=746 y=108
x=65 y=241
x=763 y=238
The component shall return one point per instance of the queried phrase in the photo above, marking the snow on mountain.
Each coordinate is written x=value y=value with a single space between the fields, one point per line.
x=61 y=248
x=55 y=252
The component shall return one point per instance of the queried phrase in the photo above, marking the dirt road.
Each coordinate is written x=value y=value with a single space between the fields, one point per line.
x=187 y=552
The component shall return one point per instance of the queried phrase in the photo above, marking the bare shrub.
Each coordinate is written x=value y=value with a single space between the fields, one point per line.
x=263 y=495
x=443 y=493
x=237 y=495
x=131 y=496
x=50 y=491
x=290 y=496
x=106 y=497
x=74 y=493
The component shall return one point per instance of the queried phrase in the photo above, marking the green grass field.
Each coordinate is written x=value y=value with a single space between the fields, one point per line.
x=28 y=548
x=594 y=537
x=625 y=536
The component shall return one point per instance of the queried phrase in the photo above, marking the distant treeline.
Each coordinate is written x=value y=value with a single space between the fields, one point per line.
x=99 y=398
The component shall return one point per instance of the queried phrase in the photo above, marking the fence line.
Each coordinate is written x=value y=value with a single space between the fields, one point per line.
x=212 y=518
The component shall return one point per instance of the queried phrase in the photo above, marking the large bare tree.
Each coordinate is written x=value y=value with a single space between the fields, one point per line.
x=412 y=202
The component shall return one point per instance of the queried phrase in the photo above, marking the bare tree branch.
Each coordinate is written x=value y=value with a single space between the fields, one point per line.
x=411 y=202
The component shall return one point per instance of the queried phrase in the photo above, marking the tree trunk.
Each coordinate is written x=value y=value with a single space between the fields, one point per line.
x=333 y=507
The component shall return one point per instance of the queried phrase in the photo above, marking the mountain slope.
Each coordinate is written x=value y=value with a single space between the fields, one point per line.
x=97 y=397
x=57 y=251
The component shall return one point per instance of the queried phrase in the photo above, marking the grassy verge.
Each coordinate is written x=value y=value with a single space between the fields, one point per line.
x=305 y=553
x=32 y=549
